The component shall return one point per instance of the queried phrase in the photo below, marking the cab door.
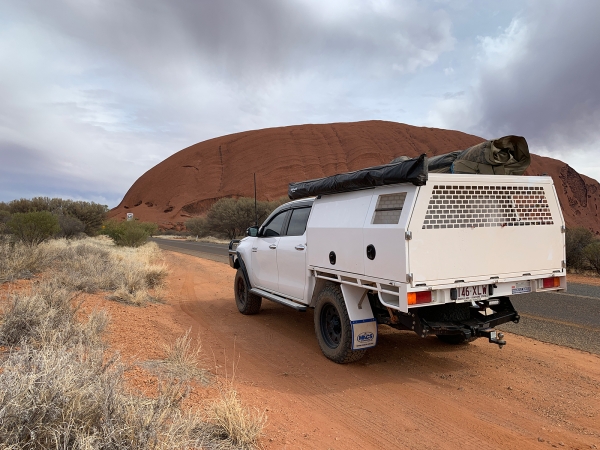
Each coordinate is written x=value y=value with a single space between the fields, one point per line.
x=291 y=255
x=264 y=253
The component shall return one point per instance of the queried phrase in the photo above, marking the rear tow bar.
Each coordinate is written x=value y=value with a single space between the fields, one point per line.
x=494 y=337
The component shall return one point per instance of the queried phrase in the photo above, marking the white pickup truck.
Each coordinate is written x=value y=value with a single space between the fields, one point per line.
x=441 y=258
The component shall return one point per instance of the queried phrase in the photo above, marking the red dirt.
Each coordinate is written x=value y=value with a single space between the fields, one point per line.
x=407 y=392
x=190 y=181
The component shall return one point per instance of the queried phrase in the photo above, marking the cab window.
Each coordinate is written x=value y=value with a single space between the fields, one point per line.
x=275 y=225
x=298 y=222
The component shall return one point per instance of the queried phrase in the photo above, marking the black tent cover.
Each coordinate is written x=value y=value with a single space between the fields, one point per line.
x=407 y=171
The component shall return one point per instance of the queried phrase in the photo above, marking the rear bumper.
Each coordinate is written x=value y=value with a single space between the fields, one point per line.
x=480 y=317
x=492 y=289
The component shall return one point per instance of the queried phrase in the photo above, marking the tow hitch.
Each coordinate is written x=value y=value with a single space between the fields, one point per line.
x=494 y=337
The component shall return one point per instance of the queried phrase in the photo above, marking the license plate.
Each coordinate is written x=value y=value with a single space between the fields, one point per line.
x=472 y=292
x=521 y=287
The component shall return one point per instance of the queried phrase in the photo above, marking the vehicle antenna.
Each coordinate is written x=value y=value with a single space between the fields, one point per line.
x=255 y=209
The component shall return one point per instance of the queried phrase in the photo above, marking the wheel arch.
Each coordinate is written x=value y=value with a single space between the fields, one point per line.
x=241 y=265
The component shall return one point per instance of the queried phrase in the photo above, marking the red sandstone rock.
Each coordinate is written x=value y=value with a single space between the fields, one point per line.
x=190 y=181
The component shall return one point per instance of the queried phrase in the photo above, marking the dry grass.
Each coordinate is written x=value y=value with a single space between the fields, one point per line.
x=132 y=275
x=46 y=316
x=54 y=397
x=182 y=360
x=19 y=261
x=235 y=423
x=59 y=388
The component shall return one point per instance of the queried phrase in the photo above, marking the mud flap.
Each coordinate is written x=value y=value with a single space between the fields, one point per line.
x=364 y=325
x=364 y=334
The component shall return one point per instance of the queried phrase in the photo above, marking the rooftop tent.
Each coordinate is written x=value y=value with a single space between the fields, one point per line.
x=406 y=171
x=508 y=155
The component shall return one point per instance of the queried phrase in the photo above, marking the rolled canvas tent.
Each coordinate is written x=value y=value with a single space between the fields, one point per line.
x=406 y=171
x=508 y=155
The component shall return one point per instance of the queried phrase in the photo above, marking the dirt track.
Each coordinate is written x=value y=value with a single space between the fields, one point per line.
x=407 y=393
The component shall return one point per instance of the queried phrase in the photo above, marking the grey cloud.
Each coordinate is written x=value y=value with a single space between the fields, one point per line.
x=450 y=95
x=27 y=172
x=245 y=40
x=540 y=79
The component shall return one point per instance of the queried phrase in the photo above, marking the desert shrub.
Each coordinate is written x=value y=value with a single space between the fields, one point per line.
x=130 y=233
x=230 y=217
x=33 y=228
x=576 y=240
x=70 y=226
x=18 y=261
x=91 y=214
x=4 y=218
x=591 y=253
x=197 y=226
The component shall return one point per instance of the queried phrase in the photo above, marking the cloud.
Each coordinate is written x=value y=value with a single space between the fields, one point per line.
x=539 y=78
x=103 y=90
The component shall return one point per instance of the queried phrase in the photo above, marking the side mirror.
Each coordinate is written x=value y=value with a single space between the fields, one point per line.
x=252 y=231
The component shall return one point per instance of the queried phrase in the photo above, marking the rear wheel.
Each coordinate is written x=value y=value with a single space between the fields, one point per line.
x=247 y=303
x=333 y=326
x=454 y=339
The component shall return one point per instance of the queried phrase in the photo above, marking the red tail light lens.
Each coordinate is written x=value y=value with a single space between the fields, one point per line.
x=419 y=297
x=551 y=282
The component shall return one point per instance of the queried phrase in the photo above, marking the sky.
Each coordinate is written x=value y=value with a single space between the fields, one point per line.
x=93 y=93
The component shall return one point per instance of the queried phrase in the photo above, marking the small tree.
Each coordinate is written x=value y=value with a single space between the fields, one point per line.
x=33 y=228
x=592 y=254
x=576 y=240
x=197 y=226
x=231 y=217
x=70 y=227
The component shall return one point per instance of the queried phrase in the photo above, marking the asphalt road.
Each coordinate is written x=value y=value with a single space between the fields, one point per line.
x=206 y=250
x=570 y=319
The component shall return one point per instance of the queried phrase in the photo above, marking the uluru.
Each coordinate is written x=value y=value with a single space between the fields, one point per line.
x=190 y=181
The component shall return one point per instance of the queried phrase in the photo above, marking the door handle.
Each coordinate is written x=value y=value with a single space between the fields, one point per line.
x=254 y=249
x=273 y=246
x=300 y=247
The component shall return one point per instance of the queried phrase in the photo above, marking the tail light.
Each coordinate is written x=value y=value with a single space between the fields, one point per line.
x=415 y=298
x=551 y=282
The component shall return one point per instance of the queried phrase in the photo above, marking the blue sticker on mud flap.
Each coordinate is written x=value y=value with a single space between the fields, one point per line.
x=364 y=334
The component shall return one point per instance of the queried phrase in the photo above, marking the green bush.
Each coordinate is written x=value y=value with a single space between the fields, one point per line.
x=91 y=214
x=592 y=254
x=33 y=228
x=129 y=233
x=576 y=240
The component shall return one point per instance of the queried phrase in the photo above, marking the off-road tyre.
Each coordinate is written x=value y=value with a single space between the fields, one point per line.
x=454 y=339
x=333 y=327
x=246 y=302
